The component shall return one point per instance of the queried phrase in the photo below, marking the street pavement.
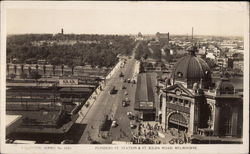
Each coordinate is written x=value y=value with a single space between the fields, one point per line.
x=123 y=131
x=110 y=105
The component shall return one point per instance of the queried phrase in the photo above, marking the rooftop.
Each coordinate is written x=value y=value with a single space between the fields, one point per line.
x=10 y=119
x=45 y=122
x=144 y=98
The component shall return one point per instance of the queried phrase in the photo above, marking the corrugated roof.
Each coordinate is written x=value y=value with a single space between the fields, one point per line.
x=144 y=92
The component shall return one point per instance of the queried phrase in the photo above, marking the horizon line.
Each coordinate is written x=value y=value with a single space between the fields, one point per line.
x=217 y=35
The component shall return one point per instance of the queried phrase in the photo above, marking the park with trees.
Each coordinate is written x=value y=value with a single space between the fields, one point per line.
x=100 y=50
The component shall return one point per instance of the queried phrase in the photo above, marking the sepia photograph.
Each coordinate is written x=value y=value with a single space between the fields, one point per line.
x=139 y=77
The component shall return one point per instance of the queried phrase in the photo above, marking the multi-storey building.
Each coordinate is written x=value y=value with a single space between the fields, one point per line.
x=193 y=103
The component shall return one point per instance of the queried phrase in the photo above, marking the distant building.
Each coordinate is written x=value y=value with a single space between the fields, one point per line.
x=41 y=61
x=68 y=81
x=31 y=61
x=45 y=108
x=222 y=62
x=139 y=37
x=139 y=34
x=210 y=55
x=228 y=45
x=163 y=38
x=238 y=64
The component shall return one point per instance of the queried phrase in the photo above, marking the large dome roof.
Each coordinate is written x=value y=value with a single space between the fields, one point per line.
x=191 y=67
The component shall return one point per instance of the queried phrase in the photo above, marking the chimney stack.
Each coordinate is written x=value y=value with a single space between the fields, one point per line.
x=168 y=37
x=192 y=34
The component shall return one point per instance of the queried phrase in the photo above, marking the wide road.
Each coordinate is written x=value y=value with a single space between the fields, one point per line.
x=110 y=105
x=123 y=131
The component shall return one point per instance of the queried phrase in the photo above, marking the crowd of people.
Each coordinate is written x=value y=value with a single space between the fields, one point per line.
x=150 y=134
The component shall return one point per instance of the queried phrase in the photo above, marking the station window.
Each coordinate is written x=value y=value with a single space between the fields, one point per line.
x=175 y=100
x=181 y=101
x=186 y=103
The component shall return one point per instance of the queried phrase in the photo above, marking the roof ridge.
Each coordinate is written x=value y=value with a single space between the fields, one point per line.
x=175 y=66
x=188 y=66
x=197 y=60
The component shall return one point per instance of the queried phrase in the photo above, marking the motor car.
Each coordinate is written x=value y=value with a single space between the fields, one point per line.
x=126 y=93
x=127 y=99
x=124 y=103
x=114 y=124
x=121 y=74
x=113 y=90
x=123 y=87
x=129 y=80
x=130 y=115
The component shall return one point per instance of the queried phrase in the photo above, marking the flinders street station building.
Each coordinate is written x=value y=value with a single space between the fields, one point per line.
x=207 y=110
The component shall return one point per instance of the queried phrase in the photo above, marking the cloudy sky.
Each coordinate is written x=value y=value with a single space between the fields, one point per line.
x=126 y=17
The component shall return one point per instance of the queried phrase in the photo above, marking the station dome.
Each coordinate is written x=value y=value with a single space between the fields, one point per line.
x=191 y=69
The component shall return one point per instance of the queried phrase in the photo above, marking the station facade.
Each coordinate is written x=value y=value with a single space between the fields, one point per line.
x=193 y=103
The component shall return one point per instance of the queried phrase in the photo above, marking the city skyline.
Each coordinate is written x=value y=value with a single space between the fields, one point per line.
x=219 y=19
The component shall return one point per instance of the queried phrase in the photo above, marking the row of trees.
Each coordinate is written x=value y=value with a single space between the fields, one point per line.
x=101 y=54
x=37 y=67
x=142 y=50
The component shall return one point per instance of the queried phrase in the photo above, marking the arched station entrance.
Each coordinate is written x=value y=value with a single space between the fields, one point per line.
x=177 y=121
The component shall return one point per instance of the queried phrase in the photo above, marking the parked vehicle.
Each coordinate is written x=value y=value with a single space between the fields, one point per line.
x=114 y=124
x=130 y=115
x=124 y=103
x=121 y=75
x=113 y=90
x=127 y=100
